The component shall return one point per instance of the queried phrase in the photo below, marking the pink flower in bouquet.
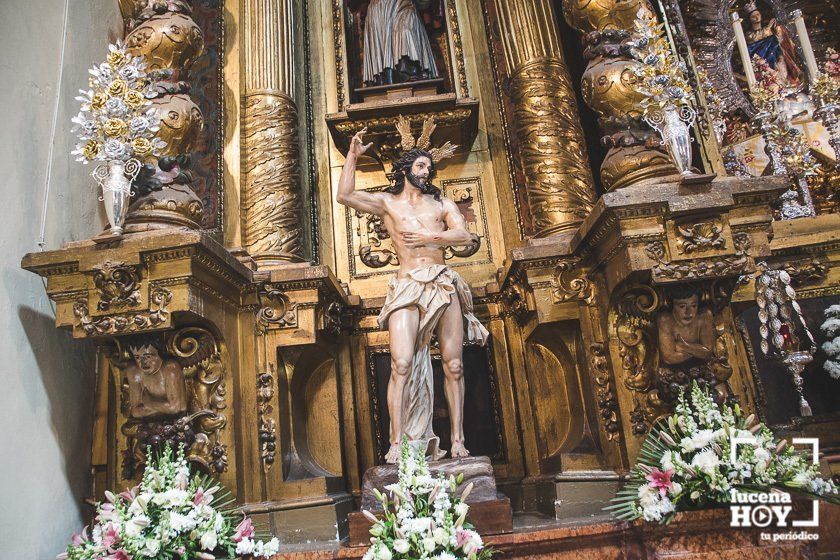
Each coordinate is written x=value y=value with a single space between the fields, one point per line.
x=204 y=497
x=110 y=536
x=129 y=495
x=660 y=480
x=468 y=541
x=245 y=530
x=106 y=512
x=81 y=538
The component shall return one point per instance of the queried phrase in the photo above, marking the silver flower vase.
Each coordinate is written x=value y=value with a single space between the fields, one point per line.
x=115 y=178
x=673 y=125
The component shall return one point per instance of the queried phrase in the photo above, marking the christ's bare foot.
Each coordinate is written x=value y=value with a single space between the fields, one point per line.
x=458 y=450
x=393 y=454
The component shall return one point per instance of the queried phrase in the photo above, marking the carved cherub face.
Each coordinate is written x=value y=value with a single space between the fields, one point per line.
x=147 y=358
x=421 y=168
x=755 y=17
x=685 y=309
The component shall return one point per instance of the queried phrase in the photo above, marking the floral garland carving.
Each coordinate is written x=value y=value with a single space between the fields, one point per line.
x=124 y=323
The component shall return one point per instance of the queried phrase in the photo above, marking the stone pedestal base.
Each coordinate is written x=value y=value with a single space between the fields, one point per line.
x=490 y=511
x=305 y=520
x=583 y=494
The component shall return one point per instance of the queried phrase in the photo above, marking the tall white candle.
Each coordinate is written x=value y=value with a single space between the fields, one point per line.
x=743 y=50
x=805 y=43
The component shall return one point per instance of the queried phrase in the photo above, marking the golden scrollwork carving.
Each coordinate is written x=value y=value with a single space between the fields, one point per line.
x=276 y=309
x=633 y=330
x=700 y=236
x=607 y=402
x=804 y=273
x=272 y=205
x=118 y=285
x=387 y=142
x=558 y=180
x=267 y=429
x=338 y=37
x=515 y=296
x=124 y=323
x=168 y=41
x=569 y=283
x=736 y=265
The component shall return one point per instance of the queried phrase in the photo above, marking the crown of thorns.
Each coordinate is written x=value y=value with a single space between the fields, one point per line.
x=424 y=141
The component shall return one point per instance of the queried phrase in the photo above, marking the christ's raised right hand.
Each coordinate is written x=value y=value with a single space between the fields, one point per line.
x=357 y=146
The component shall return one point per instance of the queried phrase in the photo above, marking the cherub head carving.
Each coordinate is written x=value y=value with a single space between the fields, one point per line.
x=146 y=354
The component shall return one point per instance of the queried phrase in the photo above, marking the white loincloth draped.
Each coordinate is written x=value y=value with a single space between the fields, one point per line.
x=430 y=290
x=393 y=29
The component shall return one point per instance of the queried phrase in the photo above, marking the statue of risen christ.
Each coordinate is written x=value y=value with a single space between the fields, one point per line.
x=426 y=296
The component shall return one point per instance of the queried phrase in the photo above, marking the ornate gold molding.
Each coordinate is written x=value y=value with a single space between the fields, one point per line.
x=607 y=401
x=740 y=263
x=267 y=428
x=118 y=285
x=276 y=309
x=700 y=236
x=569 y=283
x=457 y=47
x=124 y=323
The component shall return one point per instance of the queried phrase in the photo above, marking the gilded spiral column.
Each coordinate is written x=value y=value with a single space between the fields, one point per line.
x=558 y=180
x=272 y=205
x=608 y=87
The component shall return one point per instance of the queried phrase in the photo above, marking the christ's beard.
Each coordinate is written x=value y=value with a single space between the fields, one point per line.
x=419 y=182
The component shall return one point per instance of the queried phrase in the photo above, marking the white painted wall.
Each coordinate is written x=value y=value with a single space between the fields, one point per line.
x=46 y=378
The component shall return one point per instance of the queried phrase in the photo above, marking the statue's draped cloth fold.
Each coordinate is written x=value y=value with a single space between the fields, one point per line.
x=430 y=290
x=394 y=29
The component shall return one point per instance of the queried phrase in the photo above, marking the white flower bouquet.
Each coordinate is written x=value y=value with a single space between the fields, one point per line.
x=423 y=519
x=116 y=122
x=686 y=463
x=172 y=515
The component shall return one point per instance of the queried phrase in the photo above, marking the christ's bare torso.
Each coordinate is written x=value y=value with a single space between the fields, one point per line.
x=426 y=215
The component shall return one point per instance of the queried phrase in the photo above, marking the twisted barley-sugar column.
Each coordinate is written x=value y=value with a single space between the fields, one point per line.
x=272 y=205
x=558 y=179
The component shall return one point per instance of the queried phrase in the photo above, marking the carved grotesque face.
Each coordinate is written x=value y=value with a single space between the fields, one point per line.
x=147 y=358
x=685 y=309
x=421 y=168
